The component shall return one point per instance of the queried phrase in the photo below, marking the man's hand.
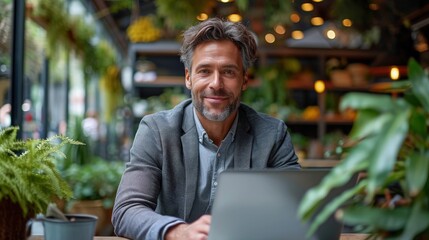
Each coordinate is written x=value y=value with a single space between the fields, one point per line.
x=198 y=230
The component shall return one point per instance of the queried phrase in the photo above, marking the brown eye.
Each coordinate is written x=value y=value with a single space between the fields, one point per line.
x=229 y=73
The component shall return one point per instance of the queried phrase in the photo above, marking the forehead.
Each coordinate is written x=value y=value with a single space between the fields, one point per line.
x=217 y=51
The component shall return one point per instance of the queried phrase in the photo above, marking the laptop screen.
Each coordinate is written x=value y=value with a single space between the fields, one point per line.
x=263 y=204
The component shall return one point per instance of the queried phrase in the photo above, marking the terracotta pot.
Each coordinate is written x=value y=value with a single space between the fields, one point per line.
x=12 y=220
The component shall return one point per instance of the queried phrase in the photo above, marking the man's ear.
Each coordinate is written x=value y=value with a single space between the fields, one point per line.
x=188 y=79
x=245 y=82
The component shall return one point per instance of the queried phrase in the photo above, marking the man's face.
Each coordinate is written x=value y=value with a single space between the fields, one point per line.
x=217 y=79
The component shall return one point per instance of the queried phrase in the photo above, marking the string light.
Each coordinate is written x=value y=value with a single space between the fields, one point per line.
x=270 y=38
x=295 y=18
x=331 y=34
x=234 y=17
x=297 y=34
x=280 y=29
x=317 y=21
x=202 y=17
x=319 y=86
x=394 y=73
x=347 y=22
x=307 y=7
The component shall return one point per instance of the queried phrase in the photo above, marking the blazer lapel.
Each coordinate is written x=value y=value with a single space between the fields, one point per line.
x=243 y=147
x=190 y=159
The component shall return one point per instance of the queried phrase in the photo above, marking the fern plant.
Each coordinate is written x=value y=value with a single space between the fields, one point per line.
x=28 y=174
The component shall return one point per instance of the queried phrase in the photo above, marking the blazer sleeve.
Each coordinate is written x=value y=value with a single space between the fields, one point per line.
x=283 y=155
x=134 y=214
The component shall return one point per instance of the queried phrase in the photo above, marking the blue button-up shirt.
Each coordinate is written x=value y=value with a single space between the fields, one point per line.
x=212 y=161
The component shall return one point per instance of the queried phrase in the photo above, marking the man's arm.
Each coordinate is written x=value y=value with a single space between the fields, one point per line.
x=134 y=213
x=198 y=230
x=284 y=153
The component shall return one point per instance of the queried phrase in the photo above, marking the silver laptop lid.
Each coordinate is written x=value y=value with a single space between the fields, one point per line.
x=263 y=204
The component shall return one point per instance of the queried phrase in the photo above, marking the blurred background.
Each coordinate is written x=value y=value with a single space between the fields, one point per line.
x=91 y=69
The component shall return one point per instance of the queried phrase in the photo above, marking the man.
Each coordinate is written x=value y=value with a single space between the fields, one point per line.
x=168 y=186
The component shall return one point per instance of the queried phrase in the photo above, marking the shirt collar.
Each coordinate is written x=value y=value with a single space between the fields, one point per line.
x=202 y=132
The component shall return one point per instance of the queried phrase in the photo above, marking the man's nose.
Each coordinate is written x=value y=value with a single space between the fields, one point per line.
x=216 y=81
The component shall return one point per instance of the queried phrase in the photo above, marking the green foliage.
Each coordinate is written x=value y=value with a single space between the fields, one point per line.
x=272 y=95
x=89 y=176
x=77 y=155
x=391 y=146
x=95 y=181
x=74 y=33
x=167 y=100
x=28 y=174
x=179 y=15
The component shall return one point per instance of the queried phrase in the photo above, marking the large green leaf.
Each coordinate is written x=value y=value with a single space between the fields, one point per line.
x=355 y=161
x=418 y=124
x=384 y=152
x=358 y=101
x=417 y=166
x=417 y=221
x=368 y=122
x=420 y=83
x=334 y=205
x=379 y=218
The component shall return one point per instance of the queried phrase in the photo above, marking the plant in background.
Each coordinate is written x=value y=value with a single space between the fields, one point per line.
x=28 y=174
x=89 y=176
x=391 y=148
x=179 y=15
x=272 y=96
x=143 y=30
x=112 y=92
x=98 y=180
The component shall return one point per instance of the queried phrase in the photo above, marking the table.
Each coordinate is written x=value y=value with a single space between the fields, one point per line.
x=344 y=236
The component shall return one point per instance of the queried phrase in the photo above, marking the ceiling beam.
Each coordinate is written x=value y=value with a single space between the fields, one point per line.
x=111 y=26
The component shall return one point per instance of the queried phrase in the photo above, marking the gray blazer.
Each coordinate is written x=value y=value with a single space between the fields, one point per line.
x=160 y=181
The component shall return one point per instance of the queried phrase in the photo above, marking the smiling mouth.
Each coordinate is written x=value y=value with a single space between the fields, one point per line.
x=216 y=99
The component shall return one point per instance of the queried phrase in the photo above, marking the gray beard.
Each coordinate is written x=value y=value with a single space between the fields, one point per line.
x=215 y=117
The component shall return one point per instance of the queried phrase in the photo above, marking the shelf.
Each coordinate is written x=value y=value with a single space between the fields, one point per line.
x=295 y=85
x=318 y=52
x=326 y=120
x=163 y=81
x=161 y=48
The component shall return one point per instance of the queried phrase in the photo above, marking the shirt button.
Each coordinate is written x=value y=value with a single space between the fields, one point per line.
x=218 y=155
x=215 y=184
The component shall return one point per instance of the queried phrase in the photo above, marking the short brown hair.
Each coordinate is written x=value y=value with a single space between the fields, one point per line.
x=219 y=29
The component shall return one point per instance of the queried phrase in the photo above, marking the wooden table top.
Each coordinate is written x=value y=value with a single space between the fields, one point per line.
x=344 y=236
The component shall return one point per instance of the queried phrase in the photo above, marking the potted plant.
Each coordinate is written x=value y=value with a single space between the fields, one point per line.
x=391 y=147
x=93 y=179
x=29 y=179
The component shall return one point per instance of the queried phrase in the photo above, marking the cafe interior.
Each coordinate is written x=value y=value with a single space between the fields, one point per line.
x=349 y=78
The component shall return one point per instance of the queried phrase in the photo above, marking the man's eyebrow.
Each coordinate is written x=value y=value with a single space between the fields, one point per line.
x=231 y=66
x=226 y=66
x=202 y=65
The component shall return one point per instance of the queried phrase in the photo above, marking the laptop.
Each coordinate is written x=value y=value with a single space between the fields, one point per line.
x=263 y=204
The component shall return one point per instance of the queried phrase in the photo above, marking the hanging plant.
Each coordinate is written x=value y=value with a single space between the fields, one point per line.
x=110 y=83
x=179 y=15
x=52 y=16
x=143 y=30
